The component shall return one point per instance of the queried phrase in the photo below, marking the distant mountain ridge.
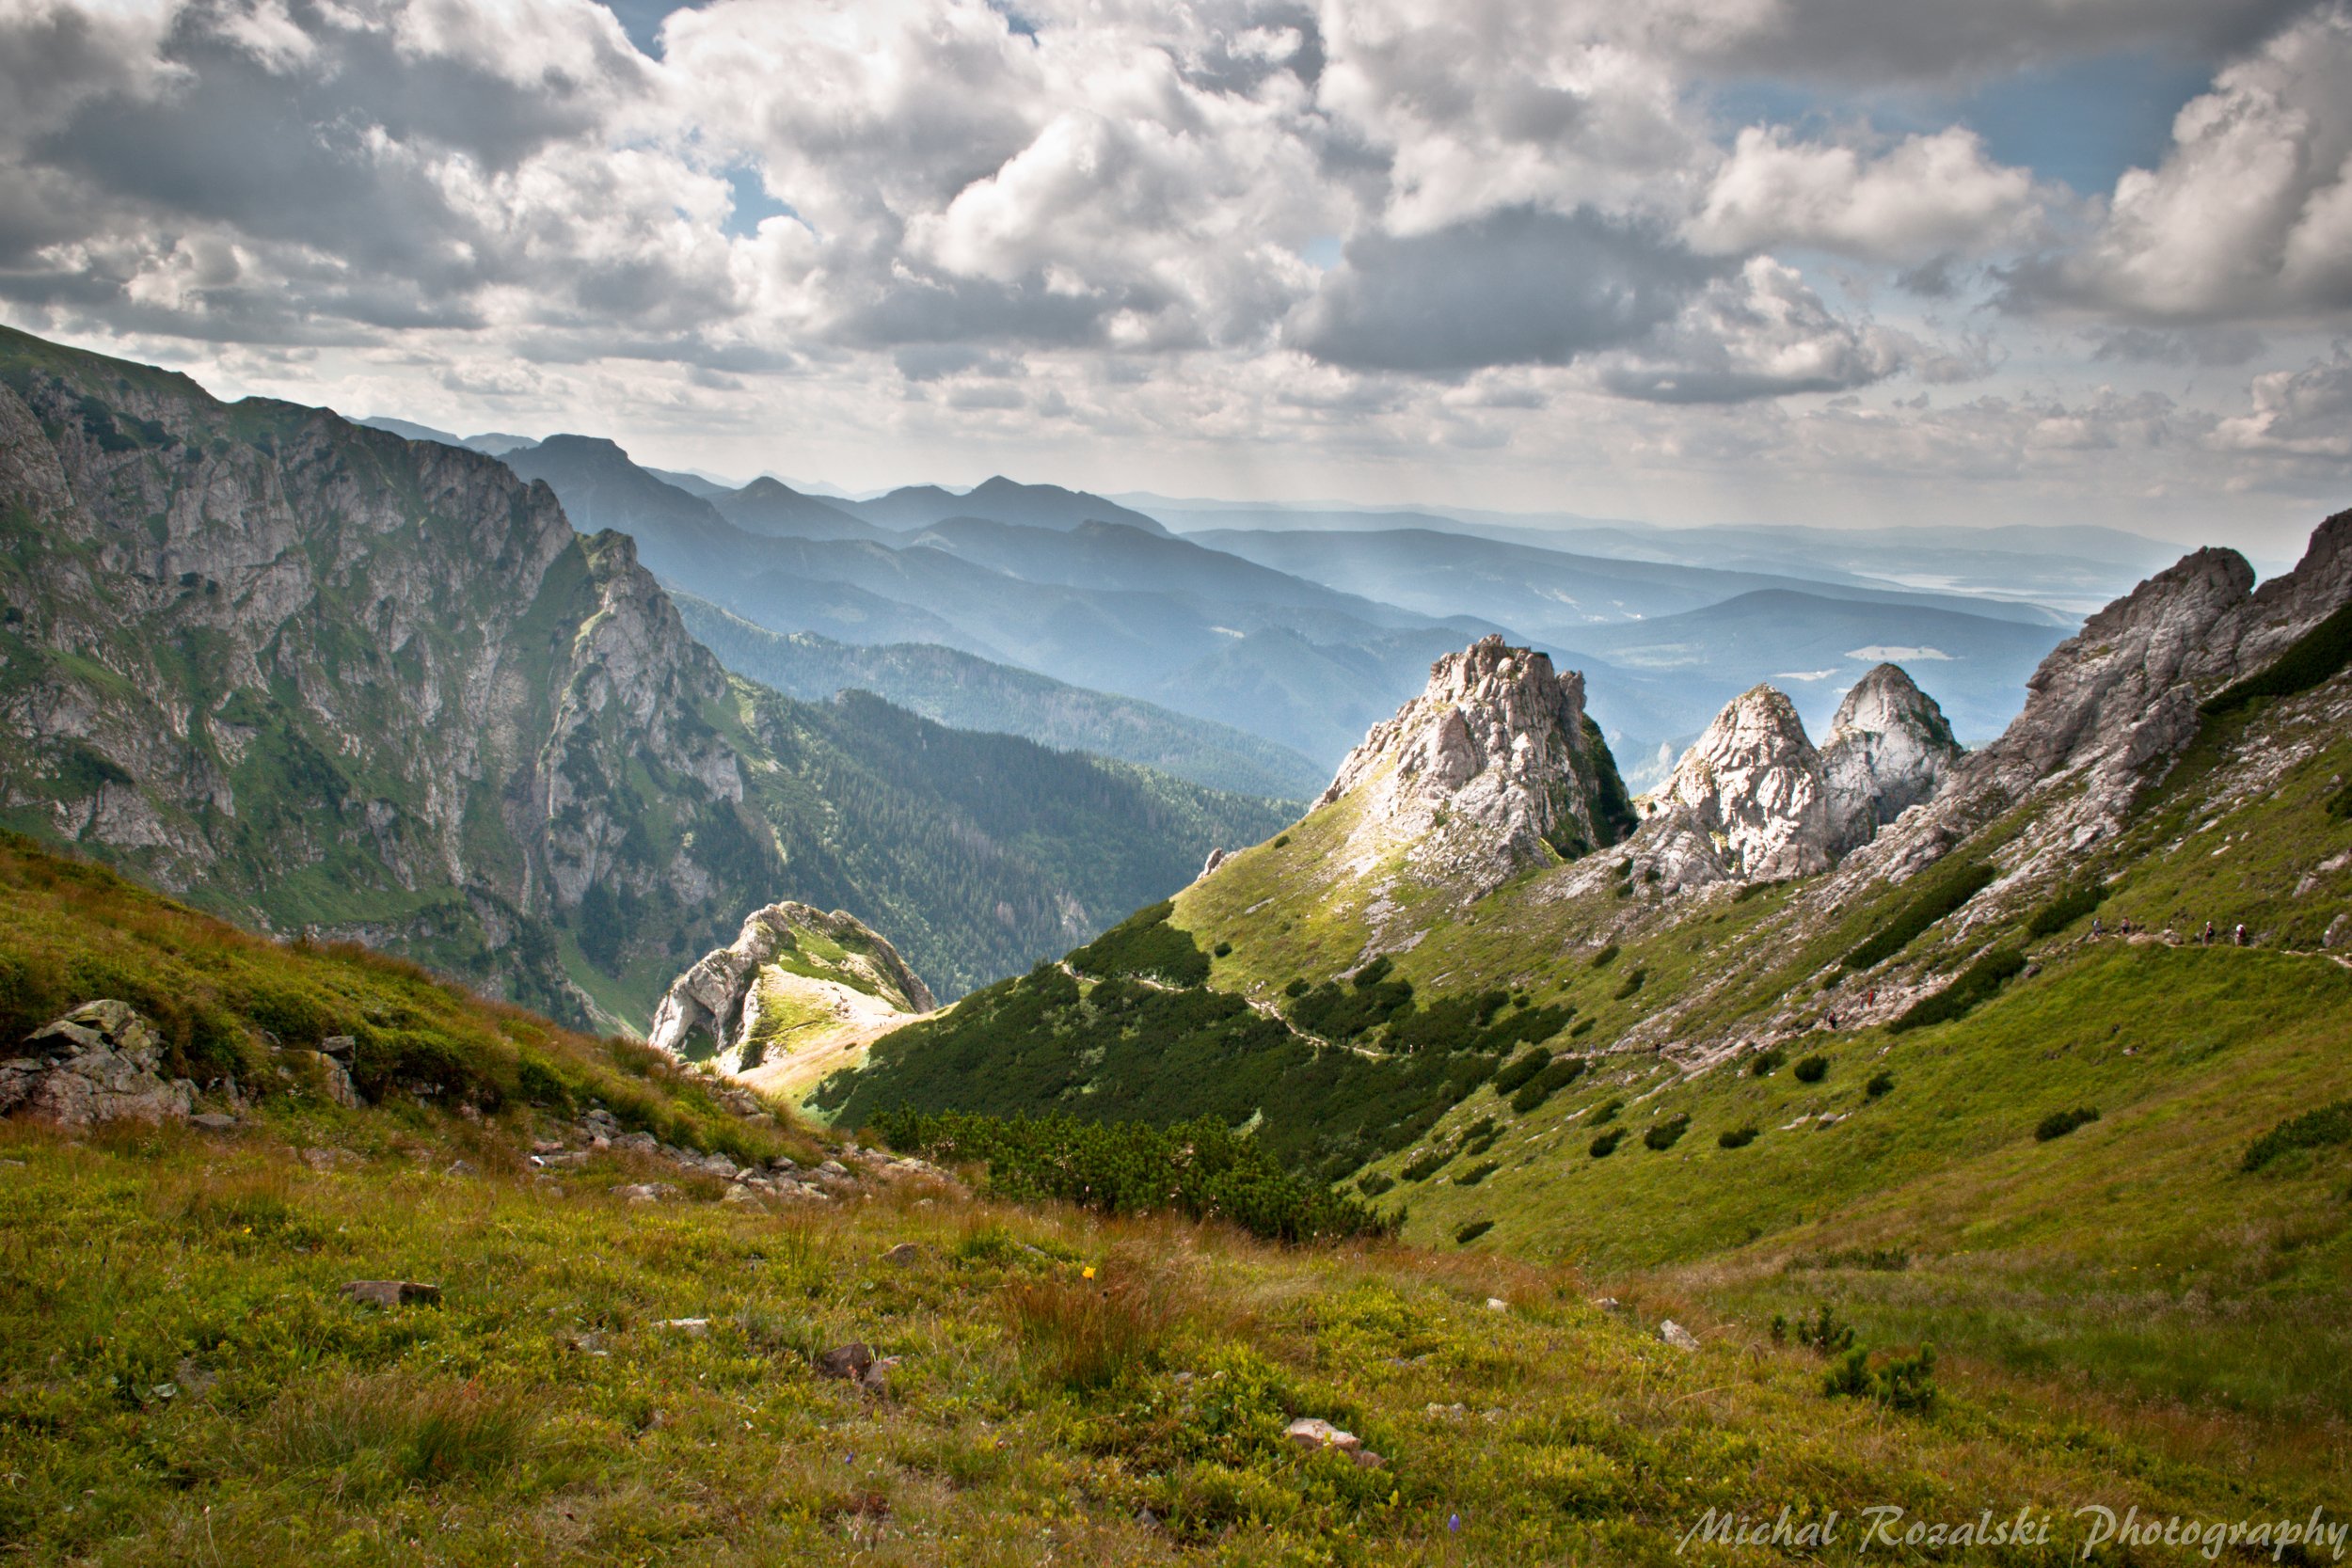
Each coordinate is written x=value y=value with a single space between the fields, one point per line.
x=324 y=677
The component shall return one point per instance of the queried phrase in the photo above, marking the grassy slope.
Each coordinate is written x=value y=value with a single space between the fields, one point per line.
x=2134 y=1252
x=183 y=1382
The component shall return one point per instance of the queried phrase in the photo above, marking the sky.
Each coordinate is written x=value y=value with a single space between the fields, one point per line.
x=1831 y=262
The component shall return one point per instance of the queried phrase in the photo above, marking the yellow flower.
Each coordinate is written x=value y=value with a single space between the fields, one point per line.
x=1089 y=1273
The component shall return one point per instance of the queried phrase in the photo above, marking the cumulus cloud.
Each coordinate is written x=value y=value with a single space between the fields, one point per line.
x=1518 y=287
x=1926 y=197
x=2305 y=413
x=2250 y=213
x=1761 y=334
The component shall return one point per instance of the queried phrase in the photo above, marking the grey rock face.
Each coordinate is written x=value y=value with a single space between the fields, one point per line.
x=1754 y=784
x=1493 y=768
x=1890 y=748
x=97 y=1064
x=259 y=640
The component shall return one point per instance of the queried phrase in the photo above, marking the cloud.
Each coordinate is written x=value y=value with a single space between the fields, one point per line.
x=1519 y=287
x=1760 y=334
x=2248 y=217
x=2305 y=413
x=1924 y=199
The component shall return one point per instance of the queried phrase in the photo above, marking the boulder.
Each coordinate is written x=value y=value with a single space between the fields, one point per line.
x=848 y=1363
x=99 y=1063
x=392 y=1292
x=1678 y=1336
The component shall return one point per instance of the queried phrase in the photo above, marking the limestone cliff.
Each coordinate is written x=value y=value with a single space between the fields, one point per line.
x=325 y=679
x=798 y=993
x=1495 y=767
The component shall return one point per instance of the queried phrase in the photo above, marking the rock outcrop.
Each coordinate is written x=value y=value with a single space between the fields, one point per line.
x=1495 y=767
x=1773 y=807
x=313 y=673
x=1890 y=748
x=1753 y=784
x=99 y=1063
x=798 y=993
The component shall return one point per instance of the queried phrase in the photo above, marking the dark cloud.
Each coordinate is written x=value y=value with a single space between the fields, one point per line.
x=1516 y=287
x=1871 y=41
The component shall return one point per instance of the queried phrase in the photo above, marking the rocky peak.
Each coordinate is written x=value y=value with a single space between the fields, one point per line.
x=794 y=981
x=1493 y=768
x=1889 y=748
x=1753 y=784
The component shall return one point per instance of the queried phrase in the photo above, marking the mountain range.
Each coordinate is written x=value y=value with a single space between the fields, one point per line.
x=332 y=681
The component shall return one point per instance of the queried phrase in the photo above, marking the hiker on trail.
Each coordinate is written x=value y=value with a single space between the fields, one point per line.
x=2241 y=933
x=2208 y=933
x=2096 y=930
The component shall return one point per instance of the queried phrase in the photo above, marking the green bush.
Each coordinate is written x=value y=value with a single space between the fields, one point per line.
x=2067 y=908
x=1606 y=956
x=1606 y=1144
x=1665 y=1135
x=1883 y=1083
x=1520 y=1069
x=2339 y=805
x=1904 y=1382
x=1607 y=1113
x=1477 y=1173
x=1631 y=984
x=1471 y=1230
x=1978 y=981
x=1428 y=1162
x=2059 y=1123
x=1557 y=1076
x=1583 y=1028
x=2313 y=658
x=1200 y=1169
x=1765 y=1063
x=1372 y=1183
x=1942 y=890
x=1812 y=1070
x=2329 y=1125
x=1737 y=1138
x=1222 y=950
x=1144 y=944
x=1825 y=1332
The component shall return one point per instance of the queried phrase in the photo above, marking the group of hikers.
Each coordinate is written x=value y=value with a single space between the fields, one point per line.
x=2238 y=936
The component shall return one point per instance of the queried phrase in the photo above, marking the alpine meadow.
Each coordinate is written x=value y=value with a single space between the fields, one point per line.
x=1269 y=782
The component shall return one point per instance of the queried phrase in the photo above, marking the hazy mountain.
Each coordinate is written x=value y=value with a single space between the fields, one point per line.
x=1102 y=605
x=324 y=677
x=772 y=507
x=959 y=689
x=1000 y=501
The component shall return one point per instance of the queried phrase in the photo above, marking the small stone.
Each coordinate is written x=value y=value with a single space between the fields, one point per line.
x=1445 y=1412
x=850 y=1362
x=1678 y=1336
x=1367 y=1460
x=906 y=1255
x=461 y=1167
x=341 y=1046
x=1606 y=1304
x=392 y=1292
x=1495 y=1303
x=213 y=1121
x=1312 y=1433
x=875 y=1378
x=692 y=1327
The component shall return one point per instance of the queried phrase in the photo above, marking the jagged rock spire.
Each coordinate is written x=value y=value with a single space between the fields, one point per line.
x=1889 y=748
x=1493 y=768
x=1753 y=783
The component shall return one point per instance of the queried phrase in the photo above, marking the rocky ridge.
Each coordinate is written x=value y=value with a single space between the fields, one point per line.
x=326 y=679
x=1494 y=768
x=797 y=994
x=1754 y=801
